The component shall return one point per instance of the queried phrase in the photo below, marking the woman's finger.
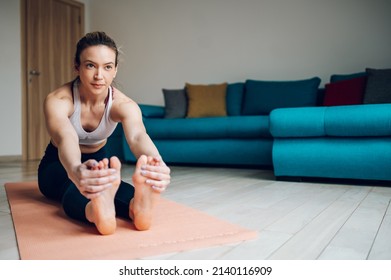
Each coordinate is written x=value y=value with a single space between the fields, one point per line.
x=94 y=189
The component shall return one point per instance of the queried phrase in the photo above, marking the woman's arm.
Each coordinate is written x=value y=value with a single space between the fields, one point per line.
x=137 y=138
x=129 y=114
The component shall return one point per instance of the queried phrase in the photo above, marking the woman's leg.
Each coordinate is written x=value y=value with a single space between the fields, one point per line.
x=74 y=203
x=54 y=183
x=122 y=199
x=53 y=180
x=128 y=201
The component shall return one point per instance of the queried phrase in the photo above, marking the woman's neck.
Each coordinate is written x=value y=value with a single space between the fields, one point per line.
x=90 y=98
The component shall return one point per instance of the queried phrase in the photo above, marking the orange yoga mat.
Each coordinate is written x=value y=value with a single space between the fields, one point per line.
x=44 y=232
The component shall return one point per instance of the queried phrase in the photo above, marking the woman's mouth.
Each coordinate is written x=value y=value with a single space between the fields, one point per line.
x=98 y=85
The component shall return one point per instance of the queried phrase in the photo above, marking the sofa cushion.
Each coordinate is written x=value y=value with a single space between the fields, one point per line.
x=206 y=100
x=378 y=89
x=235 y=94
x=175 y=101
x=208 y=128
x=262 y=97
x=345 y=92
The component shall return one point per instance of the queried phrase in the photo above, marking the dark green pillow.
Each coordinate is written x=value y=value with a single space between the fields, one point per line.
x=235 y=94
x=261 y=97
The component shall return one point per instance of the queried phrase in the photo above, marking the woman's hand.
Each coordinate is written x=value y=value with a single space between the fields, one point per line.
x=157 y=173
x=91 y=180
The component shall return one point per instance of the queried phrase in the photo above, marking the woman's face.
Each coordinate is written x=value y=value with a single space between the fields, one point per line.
x=97 y=68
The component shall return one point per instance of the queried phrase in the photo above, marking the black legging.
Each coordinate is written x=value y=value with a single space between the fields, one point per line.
x=54 y=183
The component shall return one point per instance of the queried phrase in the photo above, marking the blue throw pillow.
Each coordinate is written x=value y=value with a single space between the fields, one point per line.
x=234 y=99
x=262 y=97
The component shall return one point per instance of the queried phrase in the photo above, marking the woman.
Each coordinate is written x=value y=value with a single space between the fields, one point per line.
x=80 y=116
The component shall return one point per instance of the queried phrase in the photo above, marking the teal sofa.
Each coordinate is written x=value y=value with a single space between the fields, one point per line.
x=241 y=138
x=292 y=127
x=346 y=142
x=233 y=140
x=347 y=138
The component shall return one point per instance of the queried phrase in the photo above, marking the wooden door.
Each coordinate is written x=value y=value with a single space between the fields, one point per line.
x=50 y=31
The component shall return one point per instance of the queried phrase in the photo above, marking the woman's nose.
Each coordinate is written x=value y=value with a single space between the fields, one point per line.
x=98 y=74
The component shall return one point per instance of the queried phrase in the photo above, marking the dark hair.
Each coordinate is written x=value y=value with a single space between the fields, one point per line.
x=94 y=39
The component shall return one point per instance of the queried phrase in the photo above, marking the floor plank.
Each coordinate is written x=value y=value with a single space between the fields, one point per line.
x=308 y=243
x=354 y=239
x=381 y=249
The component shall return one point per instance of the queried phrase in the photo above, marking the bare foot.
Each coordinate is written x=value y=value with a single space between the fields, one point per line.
x=101 y=210
x=141 y=206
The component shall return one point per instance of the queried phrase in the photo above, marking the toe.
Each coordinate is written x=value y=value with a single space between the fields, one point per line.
x=115 y=163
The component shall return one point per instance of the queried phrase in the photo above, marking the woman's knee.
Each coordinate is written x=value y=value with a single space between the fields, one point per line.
x=52 y=180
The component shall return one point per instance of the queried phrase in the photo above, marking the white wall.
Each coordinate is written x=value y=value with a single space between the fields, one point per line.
x=166 y=43
x=10 y=79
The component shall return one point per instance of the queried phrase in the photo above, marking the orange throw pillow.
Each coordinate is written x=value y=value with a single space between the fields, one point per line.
x=206 y=100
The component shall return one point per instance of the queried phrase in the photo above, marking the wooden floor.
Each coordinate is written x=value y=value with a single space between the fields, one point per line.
x=295 y=220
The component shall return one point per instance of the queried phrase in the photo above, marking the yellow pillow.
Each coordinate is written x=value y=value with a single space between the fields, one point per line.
x=206 y=100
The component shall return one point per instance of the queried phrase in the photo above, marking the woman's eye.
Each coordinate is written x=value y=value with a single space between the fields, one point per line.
x=109 y=67
x=90 y=65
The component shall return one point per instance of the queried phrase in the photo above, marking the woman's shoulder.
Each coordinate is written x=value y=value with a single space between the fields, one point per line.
x=123 y=106
x=120 y=98
x=63 y=92
x=61 y=95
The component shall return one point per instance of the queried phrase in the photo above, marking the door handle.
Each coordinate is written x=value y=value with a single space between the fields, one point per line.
x=34 y=72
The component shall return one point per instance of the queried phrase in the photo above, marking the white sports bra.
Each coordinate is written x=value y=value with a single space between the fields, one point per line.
x=106 y=125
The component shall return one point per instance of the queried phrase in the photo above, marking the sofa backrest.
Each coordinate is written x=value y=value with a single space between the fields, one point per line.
x=255 y=97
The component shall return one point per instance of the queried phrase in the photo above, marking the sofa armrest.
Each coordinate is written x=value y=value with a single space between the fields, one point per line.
x=152 y=111
x=297 y=122
x=367 y=120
